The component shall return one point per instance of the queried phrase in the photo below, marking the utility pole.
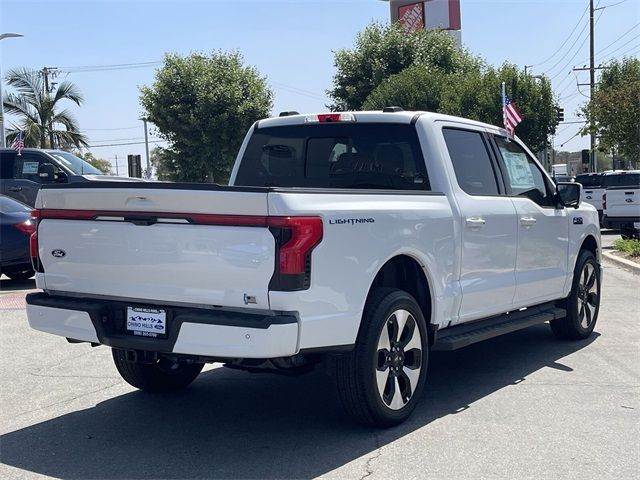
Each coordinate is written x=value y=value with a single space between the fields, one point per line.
x=592 y=84
x=117 y=172
x=46 y=71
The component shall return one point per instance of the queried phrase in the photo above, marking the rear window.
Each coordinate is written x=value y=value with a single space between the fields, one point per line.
x=335 y=155
x=621 y=180
x=589 y=181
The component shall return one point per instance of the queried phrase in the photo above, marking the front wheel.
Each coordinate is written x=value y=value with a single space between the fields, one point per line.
x=380 y=381
x=162 y=376
x=583 y=303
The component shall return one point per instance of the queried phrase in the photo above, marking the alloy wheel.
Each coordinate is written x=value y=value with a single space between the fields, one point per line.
x=398 y=359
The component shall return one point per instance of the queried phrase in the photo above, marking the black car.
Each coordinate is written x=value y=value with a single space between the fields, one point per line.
x=16 y=227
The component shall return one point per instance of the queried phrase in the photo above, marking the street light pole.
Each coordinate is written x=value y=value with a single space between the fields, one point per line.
x=3 y=140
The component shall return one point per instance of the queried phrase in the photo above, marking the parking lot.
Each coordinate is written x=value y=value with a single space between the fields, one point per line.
x=519 y=406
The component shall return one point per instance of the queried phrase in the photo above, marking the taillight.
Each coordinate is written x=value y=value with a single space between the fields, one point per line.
x=33 y=244
x=604 y=201
x=27 y=227
x=295 y=238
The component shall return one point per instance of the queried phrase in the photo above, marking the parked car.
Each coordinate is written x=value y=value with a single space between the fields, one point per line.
x=357 y=241
x=592 y=191
x=621 y=203
x=564 y=178
x=16 y=227
x=22 y=175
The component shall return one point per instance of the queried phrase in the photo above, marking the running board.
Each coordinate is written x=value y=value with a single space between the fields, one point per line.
x=460 y=336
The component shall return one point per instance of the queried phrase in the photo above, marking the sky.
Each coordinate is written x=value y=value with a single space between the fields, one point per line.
x=291 y=43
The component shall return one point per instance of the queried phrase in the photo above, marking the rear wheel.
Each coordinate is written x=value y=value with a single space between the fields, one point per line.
x=161 y=376
x=583 y=303
x=381 y=380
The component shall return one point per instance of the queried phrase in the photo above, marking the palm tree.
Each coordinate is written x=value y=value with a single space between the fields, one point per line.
x=44 y=125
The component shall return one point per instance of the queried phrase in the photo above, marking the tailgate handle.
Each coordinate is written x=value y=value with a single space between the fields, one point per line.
x=628 y=193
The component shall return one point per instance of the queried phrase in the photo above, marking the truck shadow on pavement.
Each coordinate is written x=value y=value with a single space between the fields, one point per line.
x=232 y=424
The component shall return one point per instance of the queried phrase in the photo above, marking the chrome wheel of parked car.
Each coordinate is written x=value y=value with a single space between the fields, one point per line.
x=583 y=303
x=399 y=359
x=588 y=295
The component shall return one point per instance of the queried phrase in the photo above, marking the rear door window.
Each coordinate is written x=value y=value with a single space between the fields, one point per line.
x=471 y=161
x=336 y=155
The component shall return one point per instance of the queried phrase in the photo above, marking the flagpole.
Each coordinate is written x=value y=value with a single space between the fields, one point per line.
x=503 y=93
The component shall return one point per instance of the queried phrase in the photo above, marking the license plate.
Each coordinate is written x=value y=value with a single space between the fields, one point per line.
x=636 y=225
x=146 y=322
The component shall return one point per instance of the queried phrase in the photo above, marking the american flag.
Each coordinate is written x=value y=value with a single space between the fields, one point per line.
x=18 y=143
x=510 y=114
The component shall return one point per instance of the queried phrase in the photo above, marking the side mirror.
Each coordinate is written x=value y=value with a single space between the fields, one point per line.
x=568 y=194
x=47 y=172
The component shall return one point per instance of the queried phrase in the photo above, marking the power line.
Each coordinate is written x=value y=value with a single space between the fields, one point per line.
x=122 y=144
x=618 y=39
x=108 y=129
x=570 y=48
x=566 y=40
x=578 y=50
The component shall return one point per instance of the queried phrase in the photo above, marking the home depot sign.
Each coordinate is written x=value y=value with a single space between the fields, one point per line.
x=429 y=14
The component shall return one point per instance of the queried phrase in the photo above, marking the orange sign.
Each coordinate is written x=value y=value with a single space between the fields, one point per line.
x=411 y=17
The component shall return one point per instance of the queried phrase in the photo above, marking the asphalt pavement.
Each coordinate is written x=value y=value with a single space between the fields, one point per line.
x=524 y=405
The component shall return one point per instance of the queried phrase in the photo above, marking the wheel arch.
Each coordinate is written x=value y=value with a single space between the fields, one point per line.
x=406 y=273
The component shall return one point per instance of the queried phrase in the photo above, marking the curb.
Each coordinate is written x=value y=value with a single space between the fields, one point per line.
x=622 y=261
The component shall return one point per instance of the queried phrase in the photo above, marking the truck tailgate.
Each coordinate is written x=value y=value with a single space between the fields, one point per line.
x=205 y=247
x=623 y=202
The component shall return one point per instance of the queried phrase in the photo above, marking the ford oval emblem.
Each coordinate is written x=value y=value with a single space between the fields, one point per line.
x=58 y=253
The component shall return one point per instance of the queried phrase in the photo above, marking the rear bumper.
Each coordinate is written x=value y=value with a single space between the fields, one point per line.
x=620 y=222
x=190 y=331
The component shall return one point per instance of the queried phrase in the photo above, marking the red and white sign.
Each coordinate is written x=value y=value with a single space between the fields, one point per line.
x=411 y=17
x=442 y=14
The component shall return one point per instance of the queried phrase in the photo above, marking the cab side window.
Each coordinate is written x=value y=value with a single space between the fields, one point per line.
x=523 y=176
x=471 y=161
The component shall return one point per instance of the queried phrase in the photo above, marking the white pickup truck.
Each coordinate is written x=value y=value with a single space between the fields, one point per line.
x=621 y=203
x=357 y=241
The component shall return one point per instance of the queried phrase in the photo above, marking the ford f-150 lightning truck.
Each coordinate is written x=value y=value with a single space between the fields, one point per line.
x=358 y=242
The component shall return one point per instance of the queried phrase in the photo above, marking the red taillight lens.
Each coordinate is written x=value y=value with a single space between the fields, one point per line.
x=27 y=227
x=305 y=234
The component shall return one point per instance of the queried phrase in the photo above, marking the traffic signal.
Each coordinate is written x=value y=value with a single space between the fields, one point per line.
x=135 y=166
x=560 y=112
x=585 y=157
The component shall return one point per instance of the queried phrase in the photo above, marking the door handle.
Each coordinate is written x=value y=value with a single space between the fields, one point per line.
x=527 y=221
x=15 y=189
x=474 y=222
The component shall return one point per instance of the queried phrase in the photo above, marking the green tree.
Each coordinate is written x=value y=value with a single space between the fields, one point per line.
x=615 y=109
x=203 y=106
x=100 y=163
x=474 y=93
x=40 y=117
x=164 y=161
x=382 y=50
x=426 y=71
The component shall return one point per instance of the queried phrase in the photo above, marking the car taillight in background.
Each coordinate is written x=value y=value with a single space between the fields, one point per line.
x=604 y=201
x=27 y=227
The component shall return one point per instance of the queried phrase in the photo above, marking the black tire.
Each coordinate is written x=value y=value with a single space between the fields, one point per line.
x=356 y=372
x=162 y=376
x=18 y=276
x=583 y=303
